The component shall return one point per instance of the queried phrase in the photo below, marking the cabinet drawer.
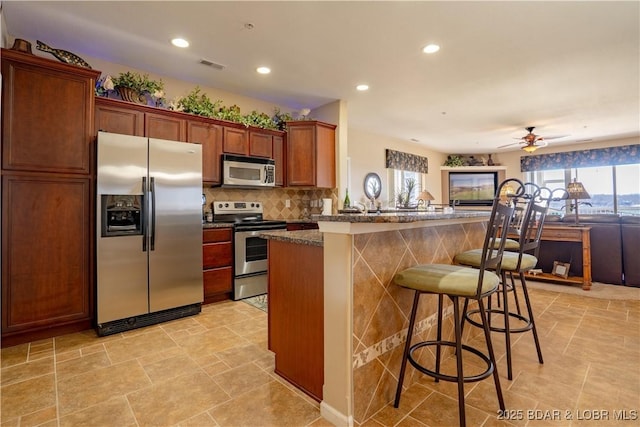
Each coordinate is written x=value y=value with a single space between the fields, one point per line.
x=218 y=280
x=217 y=255
x=216 y=235
x=550 y=233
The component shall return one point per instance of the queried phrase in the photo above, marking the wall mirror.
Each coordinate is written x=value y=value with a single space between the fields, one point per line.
x=372 y=186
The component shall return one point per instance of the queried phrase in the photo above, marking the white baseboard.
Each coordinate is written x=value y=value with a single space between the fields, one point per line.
x=334 y=417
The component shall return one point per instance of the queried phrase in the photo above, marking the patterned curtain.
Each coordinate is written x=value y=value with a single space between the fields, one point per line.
x=622 y=155
x=406 y=161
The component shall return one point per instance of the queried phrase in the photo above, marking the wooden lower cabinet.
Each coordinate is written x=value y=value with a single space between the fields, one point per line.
x=47 y=256
x=48 y=197
x=217 y=264
x=296 y=314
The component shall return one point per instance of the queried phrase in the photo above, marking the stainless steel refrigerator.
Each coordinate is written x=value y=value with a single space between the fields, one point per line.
x=149 y=231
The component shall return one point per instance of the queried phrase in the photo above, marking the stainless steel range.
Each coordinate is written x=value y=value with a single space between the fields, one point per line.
x=250 y=260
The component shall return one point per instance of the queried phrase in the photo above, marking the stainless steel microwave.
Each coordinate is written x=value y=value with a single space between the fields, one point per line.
x=243 y=171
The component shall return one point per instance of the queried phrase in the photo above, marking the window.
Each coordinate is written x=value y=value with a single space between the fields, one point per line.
x=613 y=189
x=627 y=189
x=398 y=185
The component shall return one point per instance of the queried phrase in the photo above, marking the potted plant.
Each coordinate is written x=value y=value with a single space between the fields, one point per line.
x=261 y=120
x=454 y=160
x=133 y=86
x=403 y=198
x=198 y=103
x=281 y=119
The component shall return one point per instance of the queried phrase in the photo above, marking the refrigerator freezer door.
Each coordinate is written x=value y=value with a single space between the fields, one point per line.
x=122 y=290
x=175 y=225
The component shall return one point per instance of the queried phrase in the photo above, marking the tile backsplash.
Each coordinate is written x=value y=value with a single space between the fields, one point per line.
x=274 y=200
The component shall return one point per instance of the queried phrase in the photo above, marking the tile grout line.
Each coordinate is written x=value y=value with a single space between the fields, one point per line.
x=55 y=380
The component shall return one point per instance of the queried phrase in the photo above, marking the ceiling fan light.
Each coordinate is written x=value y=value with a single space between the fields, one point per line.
x=530 y=148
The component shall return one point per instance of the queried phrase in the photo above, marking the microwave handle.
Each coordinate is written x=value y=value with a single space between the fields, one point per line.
x=269 y=172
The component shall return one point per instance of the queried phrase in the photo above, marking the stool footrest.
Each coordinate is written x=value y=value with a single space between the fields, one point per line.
x=527 y=327
x=450 y=378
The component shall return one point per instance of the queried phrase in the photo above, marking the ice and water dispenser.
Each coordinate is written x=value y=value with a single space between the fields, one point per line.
x=122 y=215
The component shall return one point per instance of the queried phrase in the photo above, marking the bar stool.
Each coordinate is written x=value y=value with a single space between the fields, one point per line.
x=518 y=262
x=457 y=283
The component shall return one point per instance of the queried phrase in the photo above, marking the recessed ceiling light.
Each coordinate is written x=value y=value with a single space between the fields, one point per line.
x=431 y=48
x=178 y=42
x=263 y=70
x=362 y=87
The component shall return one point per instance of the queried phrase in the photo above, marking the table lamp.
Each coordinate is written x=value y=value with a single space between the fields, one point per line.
x=506 y=191
x=577 y=192
x=426 y=198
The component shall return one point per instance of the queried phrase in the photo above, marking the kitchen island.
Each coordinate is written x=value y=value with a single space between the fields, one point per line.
x=364 y=315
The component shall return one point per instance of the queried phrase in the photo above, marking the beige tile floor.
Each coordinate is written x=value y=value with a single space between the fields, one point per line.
x=214 y=369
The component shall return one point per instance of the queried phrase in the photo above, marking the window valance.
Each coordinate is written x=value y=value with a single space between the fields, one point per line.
x=610 y=156
x=406 y=161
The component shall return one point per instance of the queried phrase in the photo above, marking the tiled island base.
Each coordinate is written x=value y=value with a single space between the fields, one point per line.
x=381 y=308
x=364 y=306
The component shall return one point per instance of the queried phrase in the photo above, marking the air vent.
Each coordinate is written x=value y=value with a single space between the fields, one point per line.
x=212 y=64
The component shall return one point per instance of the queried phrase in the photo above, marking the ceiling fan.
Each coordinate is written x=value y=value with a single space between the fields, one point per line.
x=532 y=141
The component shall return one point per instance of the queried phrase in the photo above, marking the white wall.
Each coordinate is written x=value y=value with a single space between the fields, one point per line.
x=178 y=88
x=366 y=152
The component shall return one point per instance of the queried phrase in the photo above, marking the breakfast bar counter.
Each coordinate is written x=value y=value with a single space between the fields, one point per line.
x=365 y=313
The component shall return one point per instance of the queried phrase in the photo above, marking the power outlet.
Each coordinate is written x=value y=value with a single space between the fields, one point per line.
x=287 y=203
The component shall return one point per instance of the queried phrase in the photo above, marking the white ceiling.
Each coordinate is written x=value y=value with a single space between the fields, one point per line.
x=568 y=68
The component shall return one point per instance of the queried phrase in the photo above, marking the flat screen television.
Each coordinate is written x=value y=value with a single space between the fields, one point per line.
x=472 y=188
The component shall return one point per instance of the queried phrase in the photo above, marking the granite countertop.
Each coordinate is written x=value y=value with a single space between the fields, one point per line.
x=302 y=220
x=401 y=217
x=301 y=237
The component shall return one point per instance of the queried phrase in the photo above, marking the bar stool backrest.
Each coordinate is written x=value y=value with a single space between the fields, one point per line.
x=493 y=247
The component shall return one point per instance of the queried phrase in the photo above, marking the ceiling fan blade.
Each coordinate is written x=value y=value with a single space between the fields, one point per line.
x=510 y=145
x=554 y=137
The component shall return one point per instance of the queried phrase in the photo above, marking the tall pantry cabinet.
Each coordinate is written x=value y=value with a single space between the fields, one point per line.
x=47 y=197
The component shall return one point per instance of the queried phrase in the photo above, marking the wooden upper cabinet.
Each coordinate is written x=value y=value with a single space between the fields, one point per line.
x=311 y=154
x=260 y=144
x=162 y=126
x=235 y=141
x=278 y=157
x=114 y=119
x=210 y=136
x=47 y=109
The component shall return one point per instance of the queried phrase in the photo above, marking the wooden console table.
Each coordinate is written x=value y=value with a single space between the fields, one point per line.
x=567 y=233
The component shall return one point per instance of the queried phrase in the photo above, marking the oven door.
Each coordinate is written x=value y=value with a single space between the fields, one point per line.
x=251 y=249
x=250 y=252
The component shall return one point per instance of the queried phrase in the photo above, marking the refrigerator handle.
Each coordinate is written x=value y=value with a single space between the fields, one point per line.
x=144 y=221
x=152 y=191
